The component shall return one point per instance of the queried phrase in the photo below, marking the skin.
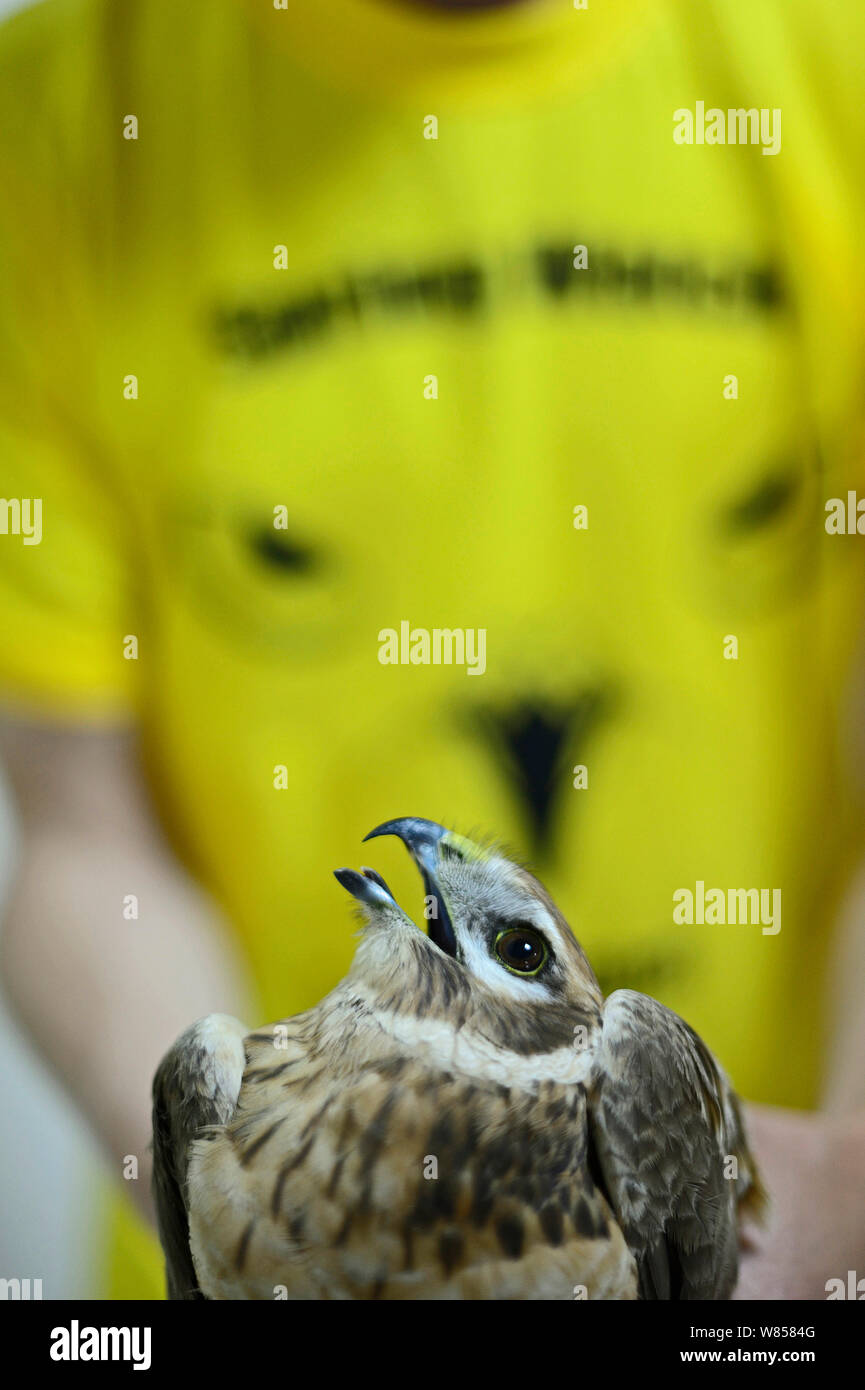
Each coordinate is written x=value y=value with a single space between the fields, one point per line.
x=90 y=987
x=812 y=1164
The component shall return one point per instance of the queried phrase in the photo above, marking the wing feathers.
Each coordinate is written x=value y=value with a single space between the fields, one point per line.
x=665 y=1125
x=196 y=1086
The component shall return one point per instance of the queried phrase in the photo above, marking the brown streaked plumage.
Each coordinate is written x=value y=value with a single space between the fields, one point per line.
x=463 y=1117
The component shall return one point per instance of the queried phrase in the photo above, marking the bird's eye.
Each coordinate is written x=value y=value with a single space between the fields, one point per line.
x=521 y=949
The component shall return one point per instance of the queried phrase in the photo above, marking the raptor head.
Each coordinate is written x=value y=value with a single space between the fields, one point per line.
x=496 y=948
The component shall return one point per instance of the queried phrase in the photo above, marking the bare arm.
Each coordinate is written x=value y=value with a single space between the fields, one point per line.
x=102 y=996
x=813 y=1164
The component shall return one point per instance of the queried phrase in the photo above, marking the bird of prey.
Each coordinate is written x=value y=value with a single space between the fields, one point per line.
x=463 y=1117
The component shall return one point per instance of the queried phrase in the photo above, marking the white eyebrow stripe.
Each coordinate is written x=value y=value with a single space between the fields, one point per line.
x=508 y=905
x=484 y=966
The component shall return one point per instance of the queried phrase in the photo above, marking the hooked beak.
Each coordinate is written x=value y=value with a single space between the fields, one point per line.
x=421 y=838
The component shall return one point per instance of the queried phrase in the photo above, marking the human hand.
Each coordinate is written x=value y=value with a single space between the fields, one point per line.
x=813 y=1167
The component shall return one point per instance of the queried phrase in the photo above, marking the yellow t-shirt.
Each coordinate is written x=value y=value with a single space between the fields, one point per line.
x=322 y=265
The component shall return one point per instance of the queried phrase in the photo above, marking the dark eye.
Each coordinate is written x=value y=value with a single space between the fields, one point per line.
x=521 y=949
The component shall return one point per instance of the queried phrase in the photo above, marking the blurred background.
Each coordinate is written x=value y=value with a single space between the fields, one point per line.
x=48 y=1160
x=298 y=384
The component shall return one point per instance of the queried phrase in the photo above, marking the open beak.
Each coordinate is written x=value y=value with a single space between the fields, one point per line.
x=421 y=838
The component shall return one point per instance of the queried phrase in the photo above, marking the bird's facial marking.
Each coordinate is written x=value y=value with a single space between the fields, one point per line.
x=506 y=936
x=456 y=847
x=510 y=953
